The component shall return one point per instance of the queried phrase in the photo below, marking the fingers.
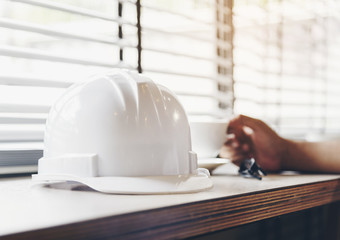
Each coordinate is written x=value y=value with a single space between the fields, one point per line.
x=248 y=131
x=236 y=133
x=235 y=150
x=240 y=137
x=235 y=156
x=244 y=121
x=241 y=133
x=252 y=123
x=232 y=141
x=245 y=147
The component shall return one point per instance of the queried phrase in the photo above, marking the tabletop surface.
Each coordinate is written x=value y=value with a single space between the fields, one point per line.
x=27 y=207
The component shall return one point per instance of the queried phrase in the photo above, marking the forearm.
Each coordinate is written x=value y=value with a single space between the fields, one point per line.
x=312 y=156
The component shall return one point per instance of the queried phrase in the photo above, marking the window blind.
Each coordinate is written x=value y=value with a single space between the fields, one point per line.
x=285 y=65
x=185 y=49
x=45 y=46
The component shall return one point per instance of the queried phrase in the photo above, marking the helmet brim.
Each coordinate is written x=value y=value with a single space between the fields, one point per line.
x=137 y=185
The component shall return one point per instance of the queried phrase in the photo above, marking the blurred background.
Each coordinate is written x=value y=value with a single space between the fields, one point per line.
x=276 y=60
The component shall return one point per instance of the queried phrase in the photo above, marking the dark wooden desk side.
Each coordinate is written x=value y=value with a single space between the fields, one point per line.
x=194 y=219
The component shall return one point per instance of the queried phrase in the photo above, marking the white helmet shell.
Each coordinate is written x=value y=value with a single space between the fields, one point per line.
x=121 y=133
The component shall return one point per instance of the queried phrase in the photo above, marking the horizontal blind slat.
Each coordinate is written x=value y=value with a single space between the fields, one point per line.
x=179 y=34
x=169 y=72
x=221 y=62
x=21 y=135
x=158 y=9
x=225 y=98
x=286 y=103
x=37 y=81
x=20 y=52
x=21 y=108
x=21 y=120
x=35 y=28
x=74 y=10
x=212 y=114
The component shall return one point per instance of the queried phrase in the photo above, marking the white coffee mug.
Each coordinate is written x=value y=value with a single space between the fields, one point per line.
x=208 y=136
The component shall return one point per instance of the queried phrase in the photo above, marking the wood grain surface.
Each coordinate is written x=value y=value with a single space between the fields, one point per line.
x=193 y=219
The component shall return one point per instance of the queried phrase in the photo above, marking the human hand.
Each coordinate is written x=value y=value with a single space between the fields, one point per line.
x=250 y=137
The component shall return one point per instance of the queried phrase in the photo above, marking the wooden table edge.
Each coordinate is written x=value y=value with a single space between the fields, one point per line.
x=196 y=218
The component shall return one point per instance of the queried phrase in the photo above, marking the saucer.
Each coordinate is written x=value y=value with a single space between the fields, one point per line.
x=211 y=163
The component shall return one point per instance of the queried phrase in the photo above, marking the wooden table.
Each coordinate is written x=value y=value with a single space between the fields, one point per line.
x=36 y=212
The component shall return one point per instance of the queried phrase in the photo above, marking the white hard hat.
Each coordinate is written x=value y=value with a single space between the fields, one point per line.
x=121 y=133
